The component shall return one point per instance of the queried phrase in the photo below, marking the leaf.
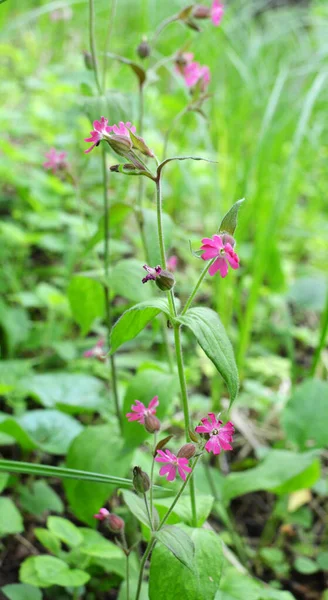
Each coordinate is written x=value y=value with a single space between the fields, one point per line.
x=39 y=498
x=125 y=280
x=98 y=449
x=51 y=430
x=168 y=160
x=103 y=549
x=162 y=443
x=44 y=571
x=182 y=510
x=151 y=237
x=21 y=591
x=65 y=531
x=71 y=392
x=212 y=338
x=282 y=471
x=301 y=422
x=138 y=71
x=118 y=212
x=305 y=565
x=135 y=319
x=229 y=221
x=4 y=477
x=10 y=426
x=144 y=386
x=179 y=543
x=10 y=518
x=170 y=579
x=236 y=586
x=137 y=507
x=48 y=540
x=16 y=325
x=309 y=293
x=87 y=301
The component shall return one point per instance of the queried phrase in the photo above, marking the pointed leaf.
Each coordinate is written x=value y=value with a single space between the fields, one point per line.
x=229 y=221
x=179 y=543
x=211 y=336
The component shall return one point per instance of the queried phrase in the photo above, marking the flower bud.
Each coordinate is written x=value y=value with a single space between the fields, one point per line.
x=143 y=49
x=102 y=514
x=201 y=12
x=88 y=60
x=152 y=423
x=187 y=451
x=228 y=239
x=121 y=144
x=115 y=523
x=141 y=480
x=165 y=280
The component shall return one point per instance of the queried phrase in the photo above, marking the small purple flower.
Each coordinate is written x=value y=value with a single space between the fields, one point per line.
x=56 y=160
x=140 y=412
x=96 y=351
x=153 y=273
x=102 y=514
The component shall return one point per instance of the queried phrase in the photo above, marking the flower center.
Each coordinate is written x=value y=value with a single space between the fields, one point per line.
x=214 y=432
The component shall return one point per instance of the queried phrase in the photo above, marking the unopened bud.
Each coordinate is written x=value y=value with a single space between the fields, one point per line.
x=115 y=523
x=152 y=423
x=143 y=49
x=165 y=280
x=141 y=480
x=121 y=144
x=187 y=451
x=201 y=12
x=88 y=60
x=228 y=239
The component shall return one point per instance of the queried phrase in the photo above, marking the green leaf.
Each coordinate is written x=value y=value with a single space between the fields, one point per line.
x=21 y=591
x=305 y=565
x=125 y=280
x=10 y=426
x=144 y=386
x=309 y=293
x=236 y=586
x=301 y=422
x=87 y=301
x=98 y=449
x=135 y=319
x=173 y=158
x=170 y=579
x=66 y=531
x=138 y=71
x=3 y=481
x=322 y=560
x=48 y=540
x=151 y=238
x=51 y=430
x=16 y=325
x=103 y=549
x=70 y=392
x=39 y=498
x=229 y=221
x=44 y=571
x=179 y=543
x=137 y=507
x=10 y=518
x=206 y=326
x=281 y=472
x=118 y=212
x=182 y=510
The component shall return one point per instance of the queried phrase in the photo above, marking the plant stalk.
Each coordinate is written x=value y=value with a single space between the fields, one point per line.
x=92 y=38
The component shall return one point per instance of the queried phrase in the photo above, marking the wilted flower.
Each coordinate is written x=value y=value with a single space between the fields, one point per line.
x=187 y=451
x=96 y=351
x=172 y=464
x=163 y=278
x=55 y=160
x=115 y=523
x=217 y=11
x=140 y=411
x=102 y=514
x=100 y=131
x=144 y=49
x=214 y=247
x=172 y=262
x=141 y=480
x=220 y=436
x=152 y=423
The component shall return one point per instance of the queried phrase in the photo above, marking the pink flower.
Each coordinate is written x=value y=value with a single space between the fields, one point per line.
x=225 y=255
x=172 y=262
x=61 y=14
x=194 y=73
x=102 y=514
x=220 y=437
x=99 y=132
x=153 y=273
x=172 y=464
x=122 y=128
x=56 y=160
x=96 y=351
x=217 y=11
x=140 y=412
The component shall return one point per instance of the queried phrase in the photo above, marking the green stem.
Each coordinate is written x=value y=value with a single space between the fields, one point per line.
x=107 y=291
x=152 y=478
x=170 y=295
x=141 y=109
x=148 y=550
x=195 y=290
x=185 y=483
x=148 y=512
x=92 y=38
x=108 y=36
x=322 y=339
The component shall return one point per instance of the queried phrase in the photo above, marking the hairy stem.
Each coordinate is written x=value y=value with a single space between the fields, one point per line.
x=152 y=478
x=148 y=550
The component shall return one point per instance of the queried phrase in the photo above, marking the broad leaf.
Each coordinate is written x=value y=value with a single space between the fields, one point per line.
x=10 y=518
x=48 y=540
x=65 y=531
x=21 y=591
x=51 y=430
x=305 y=417
x=137 y=507
x=125 y=280
x=135 y=319
x=182 y=510
x=97 y=449
x=44 y=571
x=87 y=301
x=170 y=579
x=39 y=497
x=179 y=543
x=229 y=221
x=236 y=586
x=211 y=336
